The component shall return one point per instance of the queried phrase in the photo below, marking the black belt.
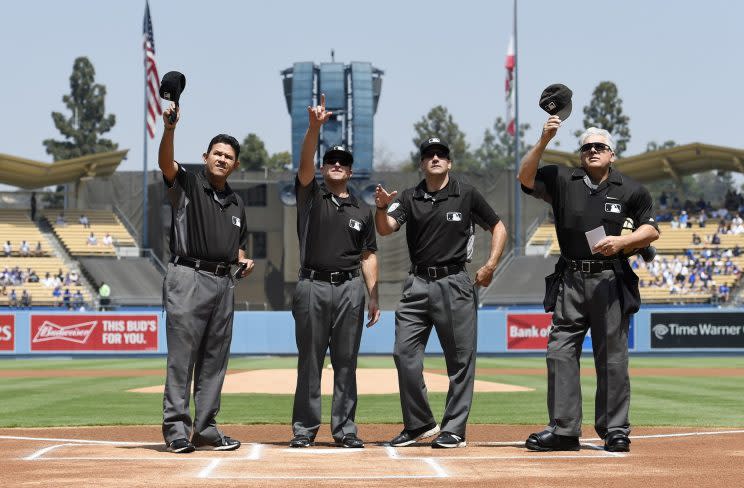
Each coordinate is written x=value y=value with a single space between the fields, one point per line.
x=590 y=266
x=218 y=269
x=436 y=272
x=334 y=277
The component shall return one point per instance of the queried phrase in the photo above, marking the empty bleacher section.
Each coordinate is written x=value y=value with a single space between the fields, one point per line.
x=42 y=294
x=15 y=227
x=76 y=237
x=519 y=281
x=133 y=281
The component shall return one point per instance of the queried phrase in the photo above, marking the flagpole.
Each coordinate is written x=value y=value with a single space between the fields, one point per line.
x=143 y=243
x=518 y=189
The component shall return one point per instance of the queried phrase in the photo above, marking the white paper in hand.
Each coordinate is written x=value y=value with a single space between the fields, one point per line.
x=594 y=236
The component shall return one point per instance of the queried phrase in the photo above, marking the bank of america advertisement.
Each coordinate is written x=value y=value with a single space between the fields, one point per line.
x=697 y=330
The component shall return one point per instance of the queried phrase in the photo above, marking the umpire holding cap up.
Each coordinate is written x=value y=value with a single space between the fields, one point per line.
x=208 y=234
x=440 y=212
x=592 y=288
x=337 y=237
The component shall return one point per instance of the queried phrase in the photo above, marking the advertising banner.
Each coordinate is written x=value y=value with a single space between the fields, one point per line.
x=697 y=330
x=87 y=332
x=529 y=331
x=7 y=332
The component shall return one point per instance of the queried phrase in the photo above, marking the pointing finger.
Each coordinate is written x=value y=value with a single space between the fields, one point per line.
x=322 y=100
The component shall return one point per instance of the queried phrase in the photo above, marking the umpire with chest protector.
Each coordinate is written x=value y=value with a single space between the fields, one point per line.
x=593 y=288
x=440 y=213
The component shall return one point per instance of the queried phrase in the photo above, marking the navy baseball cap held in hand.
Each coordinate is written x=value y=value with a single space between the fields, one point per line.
x=172 y=85
x=338 y=153
x=556 y=100
x=433 y=142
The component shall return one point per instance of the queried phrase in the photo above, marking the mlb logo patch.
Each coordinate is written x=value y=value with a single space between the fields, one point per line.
x=355 y=224
x=454 y=216
x=236 y=221
x=613 y=208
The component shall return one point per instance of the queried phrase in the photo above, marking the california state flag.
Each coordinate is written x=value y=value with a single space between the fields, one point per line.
x=511 y=61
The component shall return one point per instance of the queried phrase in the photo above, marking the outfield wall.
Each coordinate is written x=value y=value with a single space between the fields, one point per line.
x=515 y=331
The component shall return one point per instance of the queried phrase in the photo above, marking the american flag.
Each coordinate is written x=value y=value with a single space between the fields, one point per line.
x=152 y=80
x=511 y=61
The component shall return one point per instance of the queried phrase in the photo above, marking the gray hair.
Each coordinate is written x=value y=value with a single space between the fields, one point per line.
x=594 y=131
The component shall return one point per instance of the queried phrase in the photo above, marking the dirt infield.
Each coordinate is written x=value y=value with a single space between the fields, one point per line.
x=135 y=456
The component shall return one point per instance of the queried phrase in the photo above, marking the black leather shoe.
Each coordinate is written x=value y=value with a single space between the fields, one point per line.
x=300 y=441
x=548 y=441
x=181 y=446
x=448 y=439
x=408 y=437
x=224 y=444
x=617 y=442
x=351 y=441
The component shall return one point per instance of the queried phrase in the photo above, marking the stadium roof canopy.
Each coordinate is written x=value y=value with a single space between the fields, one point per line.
x=673 y=163
x=29 y=174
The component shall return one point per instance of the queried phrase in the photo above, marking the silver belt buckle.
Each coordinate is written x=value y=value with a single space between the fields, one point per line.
x=586 y=266
x=340 y=277
x=431 y=271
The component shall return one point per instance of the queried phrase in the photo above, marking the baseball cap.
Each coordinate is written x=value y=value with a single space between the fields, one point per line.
x=338 y=153
x=433 y=142
x=556 y=100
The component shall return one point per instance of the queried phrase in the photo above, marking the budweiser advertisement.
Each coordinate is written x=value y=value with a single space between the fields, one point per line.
x=529 y=331
x=7 y=333
x=107 y=333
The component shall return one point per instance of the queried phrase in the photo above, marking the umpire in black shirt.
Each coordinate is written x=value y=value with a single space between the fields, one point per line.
x=440 y=212
x=591 y=288
x=336 y=236
x=208 y=234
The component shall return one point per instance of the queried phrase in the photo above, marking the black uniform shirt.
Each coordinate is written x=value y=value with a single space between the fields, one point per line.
x=578 y=208
x=333 y=231
x=202 y=227
x=440 y=226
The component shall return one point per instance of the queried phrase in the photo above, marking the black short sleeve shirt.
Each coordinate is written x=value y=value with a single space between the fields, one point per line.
x=201 y=226
x=441 y=225
x=333 y=231
x=578 y=208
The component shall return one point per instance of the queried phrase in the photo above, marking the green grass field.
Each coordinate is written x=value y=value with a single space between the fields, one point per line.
x=656 y=400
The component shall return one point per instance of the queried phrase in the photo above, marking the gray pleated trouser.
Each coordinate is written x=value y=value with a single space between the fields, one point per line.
x=327 y=316
x=588 y=301
x=449 y=305
x=199 y=307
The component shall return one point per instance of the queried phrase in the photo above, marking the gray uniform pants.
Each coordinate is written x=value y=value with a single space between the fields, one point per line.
x=588 y=301
x=327 y=316
x=199 y=307
x=450 y=305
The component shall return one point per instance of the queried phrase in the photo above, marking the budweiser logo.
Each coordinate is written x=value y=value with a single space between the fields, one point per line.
x=78 y=333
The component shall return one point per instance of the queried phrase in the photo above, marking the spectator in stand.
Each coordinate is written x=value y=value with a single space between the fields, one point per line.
x=92 y=240
x=108 y=240
x=38 y=251
x=7 y=249
x=675 y=222
x=3 y=290
x=663 y=199
x=25 y=249
x=66 y=298
x=683 y=220
x=61 y=220
x=715 y=240
x=723 y=292
x=74 y=277
x=25 y=299
x=84 y=221
x=702 y=217
x=57 y=294
x=13 y=299
x=33 y=206
x=32 y=277
x=48 y=280
x=696 y=240
x=77 y=300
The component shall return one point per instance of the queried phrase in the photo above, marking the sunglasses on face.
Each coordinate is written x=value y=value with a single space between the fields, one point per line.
x=332 y=162
x=597 y=146
x=438 y=153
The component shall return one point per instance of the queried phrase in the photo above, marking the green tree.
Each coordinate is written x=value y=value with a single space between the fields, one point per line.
x=605 y=110
x=280 y=161
x=654 y=146
x=497 y=150
x=439 y=123
x=83 y=128
x=253 y=154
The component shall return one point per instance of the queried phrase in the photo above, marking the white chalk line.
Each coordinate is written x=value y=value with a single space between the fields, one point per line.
x=43 y=451
x=438 y=469
x=602 y=449
x=255 y=453
x=204 y=473
x=81 y=441
x=310 y=450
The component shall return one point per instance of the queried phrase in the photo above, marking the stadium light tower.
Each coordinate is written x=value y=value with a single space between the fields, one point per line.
x=352 y=93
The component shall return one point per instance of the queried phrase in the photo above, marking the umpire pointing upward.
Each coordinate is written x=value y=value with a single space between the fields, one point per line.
x=337 y=236
x=208 y=234
x=440 y=212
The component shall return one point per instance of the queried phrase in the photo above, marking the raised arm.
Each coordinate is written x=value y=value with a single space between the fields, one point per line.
x=317 y=116
x=166 y=160
x=385 y=224
x=531 y=160
x=498 y=240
